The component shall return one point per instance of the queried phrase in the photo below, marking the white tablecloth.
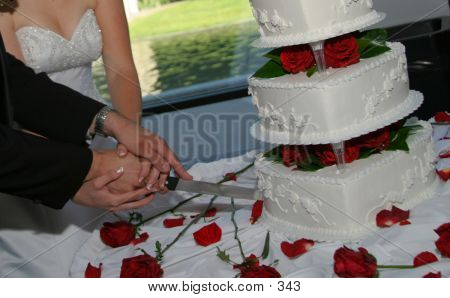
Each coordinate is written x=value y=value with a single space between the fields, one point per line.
x=395 y=245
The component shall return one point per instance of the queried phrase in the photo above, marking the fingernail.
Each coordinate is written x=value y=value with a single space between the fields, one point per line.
x=149 y=187
x=122 y=153
x=141 y=179
x=120 y=170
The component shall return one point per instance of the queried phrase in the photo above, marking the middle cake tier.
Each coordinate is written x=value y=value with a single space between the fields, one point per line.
x=336 y=105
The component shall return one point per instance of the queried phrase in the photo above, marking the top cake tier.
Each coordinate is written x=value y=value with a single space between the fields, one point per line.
x=291 y=22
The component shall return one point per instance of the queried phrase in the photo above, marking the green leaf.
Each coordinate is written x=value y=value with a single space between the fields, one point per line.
x=372 y=43
x=274 y=55
x=398 y=139
x=311 y=71
x=223 y=255
x=271 y=69
x=266 y=249
x=158 y=251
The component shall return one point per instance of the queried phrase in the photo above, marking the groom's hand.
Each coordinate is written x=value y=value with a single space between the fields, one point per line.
x=96 y=193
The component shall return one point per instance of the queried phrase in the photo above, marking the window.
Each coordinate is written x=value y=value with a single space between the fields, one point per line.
x=185 y=48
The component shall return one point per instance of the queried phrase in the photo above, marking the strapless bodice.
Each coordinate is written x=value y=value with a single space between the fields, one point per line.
x=68 y=62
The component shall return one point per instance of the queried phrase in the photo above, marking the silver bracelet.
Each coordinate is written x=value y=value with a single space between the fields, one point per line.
x=100 y=120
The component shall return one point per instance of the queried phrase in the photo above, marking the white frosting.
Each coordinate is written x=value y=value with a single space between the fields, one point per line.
x=335 y=105
x=327 y=206
x=290 y=22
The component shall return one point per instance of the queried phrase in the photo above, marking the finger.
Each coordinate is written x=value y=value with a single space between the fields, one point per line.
x=153 y=177
x=154 y=149
x=122 y=151
x=162 y=182
x=145 y=170
x=133 y=196
x=155 y=159
x=178 y=167
x=109 y=177
x=136 y=204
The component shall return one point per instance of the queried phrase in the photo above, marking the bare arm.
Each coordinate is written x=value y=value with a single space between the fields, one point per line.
x=8 y=30
x=121 y=74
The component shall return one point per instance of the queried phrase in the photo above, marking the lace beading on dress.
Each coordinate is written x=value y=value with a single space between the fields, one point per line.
x=68 y=62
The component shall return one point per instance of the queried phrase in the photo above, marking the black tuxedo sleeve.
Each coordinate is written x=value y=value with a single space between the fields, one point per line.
x=45 y=171
x=47 y=108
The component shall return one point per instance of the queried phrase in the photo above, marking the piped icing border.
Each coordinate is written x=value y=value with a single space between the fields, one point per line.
x=356 y=70
x=320 y=34
x=265 y=167
x=409 y=105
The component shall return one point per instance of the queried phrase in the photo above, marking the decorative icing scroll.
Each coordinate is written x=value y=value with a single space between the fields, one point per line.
x=274 y=23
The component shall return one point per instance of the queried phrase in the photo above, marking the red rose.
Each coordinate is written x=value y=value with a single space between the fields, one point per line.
x=380 y=139
x=263 y=271
x=118 y=233
x=350 y=263
x=256 y=211
x=295 y=59
x=424 y=258
x=93 y=272
x=341 y=51
x=173 y=222
x=250 y=261
x=208 y=235
x=142 y=238
x=443 y=244
x=444 y=174
x=143 y=266
x=444 y=228
x=230 y=176
x=442 y=117
x=328 y=158
x=297 y=248
x=432 y=275
x=292 y=155
x=386 y=218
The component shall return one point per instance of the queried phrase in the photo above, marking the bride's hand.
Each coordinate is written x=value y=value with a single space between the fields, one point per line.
x=143 y=143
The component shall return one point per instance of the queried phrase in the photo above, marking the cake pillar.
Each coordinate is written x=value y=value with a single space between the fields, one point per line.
x=319 y=54
x=339 y=151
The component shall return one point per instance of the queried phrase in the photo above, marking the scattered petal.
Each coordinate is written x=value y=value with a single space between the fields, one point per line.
x=424 y=258
x=443 y=229
x=208 y=235
x=297 y=248
x=93 y=272
x=230 y=176
x=433 y=275
x=442 y=117
x=211 y=212
x=256 y=211
x=444 y=174
x=142 y=238
x=173 y=222
x=405 y=222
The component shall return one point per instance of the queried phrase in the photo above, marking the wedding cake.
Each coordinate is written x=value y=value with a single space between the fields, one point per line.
x=333 y=99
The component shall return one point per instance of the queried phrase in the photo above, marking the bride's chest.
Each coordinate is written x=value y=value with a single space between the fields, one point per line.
x=47 y=51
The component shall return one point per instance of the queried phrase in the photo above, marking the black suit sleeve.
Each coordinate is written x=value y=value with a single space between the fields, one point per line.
x=45 y=171
x=49 y=109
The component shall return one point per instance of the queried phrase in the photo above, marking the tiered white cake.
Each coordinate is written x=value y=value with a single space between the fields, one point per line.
x=331 y=107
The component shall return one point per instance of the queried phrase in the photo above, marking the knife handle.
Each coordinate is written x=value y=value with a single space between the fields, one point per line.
x=172 y=182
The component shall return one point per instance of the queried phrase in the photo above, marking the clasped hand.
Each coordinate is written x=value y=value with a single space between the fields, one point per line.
x=129 y=177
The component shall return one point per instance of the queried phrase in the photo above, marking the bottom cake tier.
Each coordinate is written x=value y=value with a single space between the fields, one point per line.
x=327 y=205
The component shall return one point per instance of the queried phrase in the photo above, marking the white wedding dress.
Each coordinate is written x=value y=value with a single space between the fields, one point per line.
x=36 y=241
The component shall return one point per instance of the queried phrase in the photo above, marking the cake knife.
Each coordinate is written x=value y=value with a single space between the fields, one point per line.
x=208 y=188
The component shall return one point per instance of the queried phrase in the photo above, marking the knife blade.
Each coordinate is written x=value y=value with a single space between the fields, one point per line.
x=207 y=188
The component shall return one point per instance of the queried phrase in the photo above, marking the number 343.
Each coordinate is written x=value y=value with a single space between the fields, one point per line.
x=289 y=286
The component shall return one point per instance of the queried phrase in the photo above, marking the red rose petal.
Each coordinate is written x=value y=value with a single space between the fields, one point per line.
x=208 y=235
x=297 y=248
x=211 y=212
x=173 y=222
x=256 y=211
x=263 y=271
x=443 y=229
x=442 y=117
x=443 y=244
x=405 y=222
x=400 y=214
x=295 y=59
x=230 y=176
x=424 y=258
x=142 y=238
x=444 y=174
x=445 y=155
x=432 y=275
x=93 y=272
x=385 y=219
